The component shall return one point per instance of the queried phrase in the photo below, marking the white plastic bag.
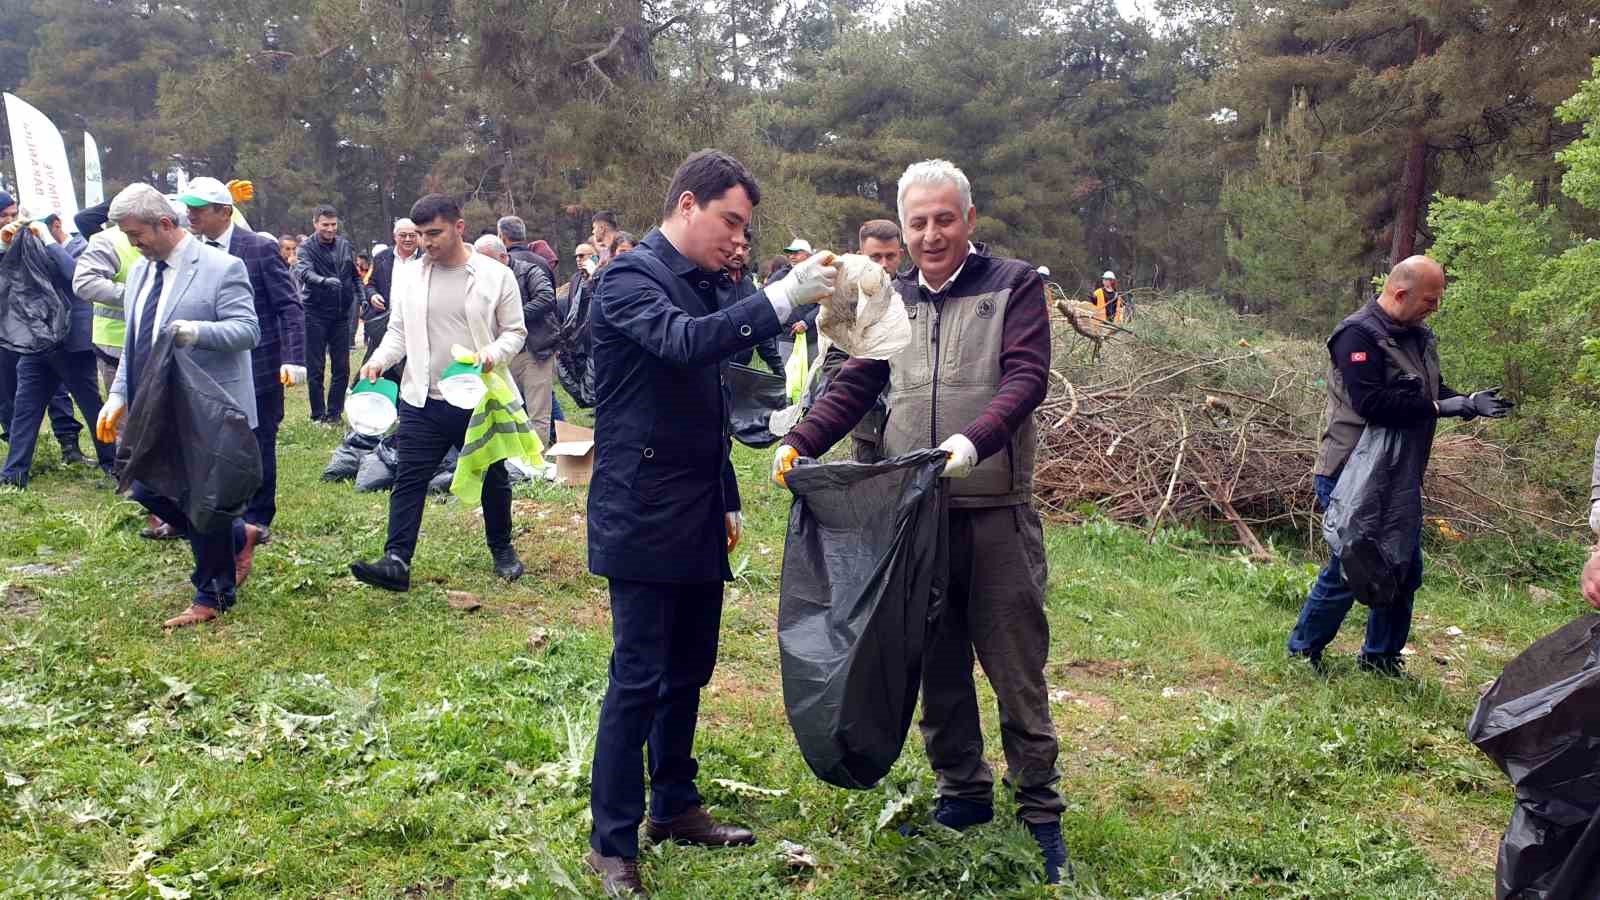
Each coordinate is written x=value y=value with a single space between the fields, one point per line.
x=865 y=316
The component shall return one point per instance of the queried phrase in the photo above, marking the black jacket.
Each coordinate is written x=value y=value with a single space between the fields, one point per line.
x=538 y=308
x=329 y=275
x=662 y=477
x=521 y=251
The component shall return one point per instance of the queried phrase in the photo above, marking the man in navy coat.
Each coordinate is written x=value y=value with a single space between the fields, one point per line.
x=279 y=360
x=664 y=502
x=40 y=376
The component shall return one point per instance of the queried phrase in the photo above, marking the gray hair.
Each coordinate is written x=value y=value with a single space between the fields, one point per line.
x=512 y=228
x=142 y=202
x=403 y=223
x=490 y=245
x=931 y=173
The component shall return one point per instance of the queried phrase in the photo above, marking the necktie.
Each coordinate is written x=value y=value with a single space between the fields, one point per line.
x=211 y=243
x=143 y=341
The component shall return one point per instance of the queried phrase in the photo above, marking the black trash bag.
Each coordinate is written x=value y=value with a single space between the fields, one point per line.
x=347 y=457
x=1540 y=723
x=754 y=396
x=865 y=569
x=378 y=469
x=1374 y=518
x=186 y=439
x=574 y=362
x=34 y=317
x=442 y=476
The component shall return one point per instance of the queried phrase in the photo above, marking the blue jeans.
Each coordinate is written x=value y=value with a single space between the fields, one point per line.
x=1330 y=600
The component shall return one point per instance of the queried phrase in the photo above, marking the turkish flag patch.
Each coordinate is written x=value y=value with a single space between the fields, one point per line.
x=1358 y=356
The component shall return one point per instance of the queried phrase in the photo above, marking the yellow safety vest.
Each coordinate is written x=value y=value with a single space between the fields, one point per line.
x=110 y=328
x=1102 y=300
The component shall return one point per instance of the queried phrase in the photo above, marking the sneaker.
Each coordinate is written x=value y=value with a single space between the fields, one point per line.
x=953 y=812
x=1048 y=836
x=506 y=563
x=390 y=573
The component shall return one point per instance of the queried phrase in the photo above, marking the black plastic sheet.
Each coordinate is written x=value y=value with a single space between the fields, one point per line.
x=34 y=317
x=1374 y=518
x=754 y=396
x=187 y=440
x=865 y=568
x=1540 y=723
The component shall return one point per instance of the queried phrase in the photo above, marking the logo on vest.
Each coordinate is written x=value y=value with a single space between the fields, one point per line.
x=1360 y=356
x=986 y=308
x=911 y=310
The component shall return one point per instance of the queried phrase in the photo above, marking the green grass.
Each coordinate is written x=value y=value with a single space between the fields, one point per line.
x=328 y=740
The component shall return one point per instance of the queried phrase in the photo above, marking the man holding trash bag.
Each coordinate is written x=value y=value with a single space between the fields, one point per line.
x=456 y=297
x=973 y=396
x=200 y=296
x=664 y=502
x=1385 y=372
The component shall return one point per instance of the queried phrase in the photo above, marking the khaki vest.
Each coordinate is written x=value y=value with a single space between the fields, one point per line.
x=1413 y=357
x=944 y=380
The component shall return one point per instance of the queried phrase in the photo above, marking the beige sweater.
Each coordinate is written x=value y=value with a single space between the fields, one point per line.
x=494 y=319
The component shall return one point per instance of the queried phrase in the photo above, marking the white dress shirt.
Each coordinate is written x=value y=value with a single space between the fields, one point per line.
x=225 y=239
x=168 y=279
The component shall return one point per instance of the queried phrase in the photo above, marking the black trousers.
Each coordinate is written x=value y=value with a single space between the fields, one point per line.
x=327 y=337
x=62 y=424
x=213 y=576
x=425 y=435
x=40 y=377
x=664 y=647
x=263 y=507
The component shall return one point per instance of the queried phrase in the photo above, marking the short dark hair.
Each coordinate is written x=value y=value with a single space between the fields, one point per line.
x=621 y=238
x=364 y=256
x=879 y=230
x=606 y=216
x=708 y=174
x=434 y=206
x=324 y=212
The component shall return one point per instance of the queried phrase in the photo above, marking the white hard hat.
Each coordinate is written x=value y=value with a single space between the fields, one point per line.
x=1109 y=274
x=1044 y=271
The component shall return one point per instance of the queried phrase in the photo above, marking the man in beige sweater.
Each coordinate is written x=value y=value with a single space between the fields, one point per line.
x=455 y=297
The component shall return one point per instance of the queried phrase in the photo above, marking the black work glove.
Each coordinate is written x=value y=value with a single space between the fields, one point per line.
x=1487 y=403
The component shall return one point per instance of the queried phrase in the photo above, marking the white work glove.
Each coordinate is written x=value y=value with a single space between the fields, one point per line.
x=289 y=376
x=735 y=523
x=1594 y=517
x=377 y=302
x=963 y=456
x=806 y=283
x=110 y=421
x=184 y=334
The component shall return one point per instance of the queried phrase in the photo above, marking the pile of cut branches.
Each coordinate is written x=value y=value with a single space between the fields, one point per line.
x=1187 y=414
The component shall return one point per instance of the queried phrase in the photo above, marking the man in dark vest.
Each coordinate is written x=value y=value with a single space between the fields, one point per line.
x=664 y=502
x=1385 y=372
x=972 y=396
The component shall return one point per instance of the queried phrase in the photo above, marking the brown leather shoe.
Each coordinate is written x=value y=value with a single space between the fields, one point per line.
x=695 y=826
x=194 y=615
x=246 y=556
x=619 y=875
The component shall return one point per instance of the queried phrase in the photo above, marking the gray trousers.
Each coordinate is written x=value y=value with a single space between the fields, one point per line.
x=995 y=609
x=536 y=380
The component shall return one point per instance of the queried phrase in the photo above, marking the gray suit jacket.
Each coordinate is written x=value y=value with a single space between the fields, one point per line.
x=213 y=288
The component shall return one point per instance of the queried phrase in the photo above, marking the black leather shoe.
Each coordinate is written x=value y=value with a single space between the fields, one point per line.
x=506 y=564
x=1386 y=666
x=1054 y=850
x=72 y=456
x=390 y=573
x=695 y=826
x=619 y=875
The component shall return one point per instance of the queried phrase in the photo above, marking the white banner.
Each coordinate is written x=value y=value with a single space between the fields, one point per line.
x=44 y=181
x=94 y=190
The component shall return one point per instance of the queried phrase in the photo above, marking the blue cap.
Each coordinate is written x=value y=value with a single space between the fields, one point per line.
x=6 y=200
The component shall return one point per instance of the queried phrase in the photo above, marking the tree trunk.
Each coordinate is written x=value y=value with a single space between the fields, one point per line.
x=1413 y=187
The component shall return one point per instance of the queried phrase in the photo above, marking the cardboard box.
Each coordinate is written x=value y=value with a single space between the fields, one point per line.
x=573 y=453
